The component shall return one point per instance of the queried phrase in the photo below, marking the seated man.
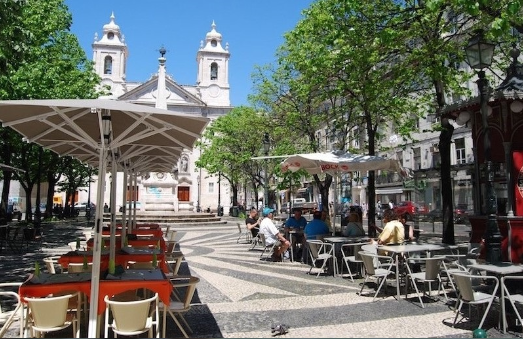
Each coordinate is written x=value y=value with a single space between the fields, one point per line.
x=296 y=223
x=316 y=227
x=272 y=235
x=253 y=222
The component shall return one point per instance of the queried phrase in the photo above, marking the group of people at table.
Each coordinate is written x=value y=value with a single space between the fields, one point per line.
x=395 y=231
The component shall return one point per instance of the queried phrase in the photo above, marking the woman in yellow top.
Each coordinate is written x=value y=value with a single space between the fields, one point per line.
x=394 y=231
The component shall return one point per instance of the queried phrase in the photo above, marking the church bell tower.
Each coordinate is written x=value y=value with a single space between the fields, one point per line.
x=110 y=57
x=213 y=69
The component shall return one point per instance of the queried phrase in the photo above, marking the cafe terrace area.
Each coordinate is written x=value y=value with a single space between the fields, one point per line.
x=241 y=293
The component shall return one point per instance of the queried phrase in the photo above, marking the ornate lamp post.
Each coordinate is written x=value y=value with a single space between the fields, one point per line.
x=266 y=147
x=479 y=56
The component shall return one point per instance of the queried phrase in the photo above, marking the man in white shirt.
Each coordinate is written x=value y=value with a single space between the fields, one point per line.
x=272 y=235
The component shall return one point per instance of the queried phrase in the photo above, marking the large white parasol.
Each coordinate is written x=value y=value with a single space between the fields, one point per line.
x=94 y=129
x=336 y=163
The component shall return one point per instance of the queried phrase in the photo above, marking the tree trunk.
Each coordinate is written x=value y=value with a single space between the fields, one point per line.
x=447 y=210
x=445 y=138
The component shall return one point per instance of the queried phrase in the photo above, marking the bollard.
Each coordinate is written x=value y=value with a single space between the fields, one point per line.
x=479 y=333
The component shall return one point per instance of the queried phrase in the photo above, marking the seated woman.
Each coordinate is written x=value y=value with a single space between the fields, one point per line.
x=354 y=227
x=393 y=232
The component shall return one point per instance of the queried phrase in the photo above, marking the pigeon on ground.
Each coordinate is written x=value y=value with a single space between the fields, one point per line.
x=279 y=329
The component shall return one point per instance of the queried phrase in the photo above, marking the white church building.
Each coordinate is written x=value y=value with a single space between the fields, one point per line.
x=186 y=187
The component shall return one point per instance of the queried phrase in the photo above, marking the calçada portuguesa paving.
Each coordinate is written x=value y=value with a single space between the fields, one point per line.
x=241 y=296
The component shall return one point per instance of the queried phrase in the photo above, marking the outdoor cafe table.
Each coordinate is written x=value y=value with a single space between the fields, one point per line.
x=396 y=250
x=122 y=257
x=500 y=269
x=140 y=242
x=150 y=226
x=46 y=284
x=139 y=232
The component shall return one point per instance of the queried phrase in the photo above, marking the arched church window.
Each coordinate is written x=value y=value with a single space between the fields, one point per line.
x=214 y=71
x=108 y=65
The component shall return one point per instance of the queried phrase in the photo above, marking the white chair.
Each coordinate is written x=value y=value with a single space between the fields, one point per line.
x=469 y=294
x=83 y=245
x=256 y=241
x=170 y=234
x=452 y=263
x=42 y=320
x=174 y=261
x=131 y=317
x=88 y=234
x=178 y=307
x=8 y=316
x=166 y=231
x=379 y=273
x=267 y=248
x=320 y=253
x=350 y=254
x=141 y=265
x=243 y=232
x=51 y=263
x=514 y=299
x=74 y=267
x=170 y=246
x=429 y=275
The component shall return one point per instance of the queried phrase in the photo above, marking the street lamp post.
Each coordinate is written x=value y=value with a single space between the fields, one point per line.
x=266 y=147
x=479 y=56
x=198 y=208
x=220 y=214
x=88 y=208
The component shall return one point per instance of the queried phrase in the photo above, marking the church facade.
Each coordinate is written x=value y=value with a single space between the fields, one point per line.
x=186 y=188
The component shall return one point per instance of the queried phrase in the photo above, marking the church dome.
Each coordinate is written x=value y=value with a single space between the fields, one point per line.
x=111 y=26
x=213 y=35
x=213 y=41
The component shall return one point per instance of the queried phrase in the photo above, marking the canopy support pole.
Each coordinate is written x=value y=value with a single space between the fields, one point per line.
x=97 y=249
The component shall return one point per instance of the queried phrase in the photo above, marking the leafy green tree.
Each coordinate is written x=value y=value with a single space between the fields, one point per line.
x=228 y=145
x=297 y=112
x=75 y=175
x=342 y=53
x=44 y=49
x=498 y=17
x=441 y=30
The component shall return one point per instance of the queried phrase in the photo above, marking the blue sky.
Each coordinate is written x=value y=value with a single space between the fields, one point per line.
x=253 y=29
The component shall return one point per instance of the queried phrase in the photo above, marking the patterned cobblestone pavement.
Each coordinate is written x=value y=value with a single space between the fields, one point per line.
x=241 y=296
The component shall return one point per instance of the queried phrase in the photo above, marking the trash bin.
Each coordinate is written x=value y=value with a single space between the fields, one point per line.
x=235 y=211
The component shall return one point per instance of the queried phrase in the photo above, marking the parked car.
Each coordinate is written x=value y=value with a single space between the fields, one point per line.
x=460 y=215
x=379 y=211
x=81 y=206
x=410 y=209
